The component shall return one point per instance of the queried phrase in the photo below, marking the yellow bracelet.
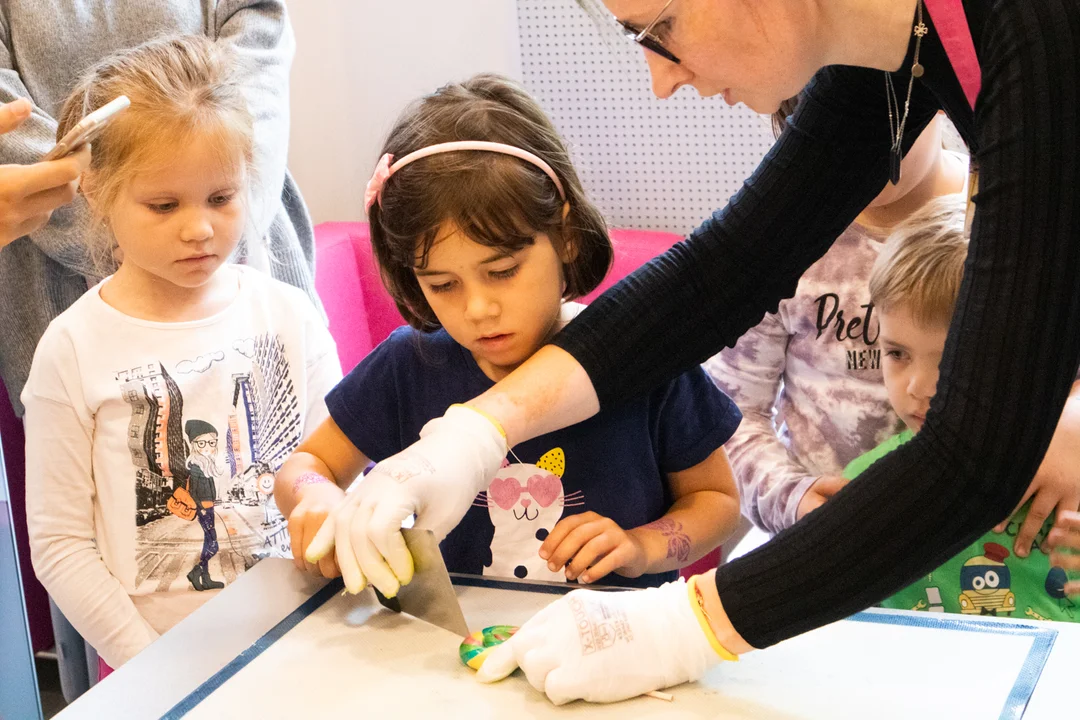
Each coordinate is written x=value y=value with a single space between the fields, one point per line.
x=698 y=603
x=492 y=420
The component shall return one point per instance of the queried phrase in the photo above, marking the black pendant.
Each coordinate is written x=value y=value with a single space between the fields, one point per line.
x=894 y=167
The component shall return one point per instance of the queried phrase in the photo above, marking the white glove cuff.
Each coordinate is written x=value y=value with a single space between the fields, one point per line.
x=477 y=434
x=695 y=655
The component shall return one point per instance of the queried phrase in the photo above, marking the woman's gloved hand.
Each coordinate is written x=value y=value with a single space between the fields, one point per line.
x=608 y=646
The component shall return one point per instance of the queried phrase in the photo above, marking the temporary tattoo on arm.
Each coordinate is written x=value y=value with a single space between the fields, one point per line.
x=678 y=542
x=308 y=478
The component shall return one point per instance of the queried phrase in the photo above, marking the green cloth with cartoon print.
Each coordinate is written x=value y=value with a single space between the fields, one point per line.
x=986 y=578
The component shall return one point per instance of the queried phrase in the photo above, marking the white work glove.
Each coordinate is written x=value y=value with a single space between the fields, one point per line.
x=607 y=646
x=435 y=478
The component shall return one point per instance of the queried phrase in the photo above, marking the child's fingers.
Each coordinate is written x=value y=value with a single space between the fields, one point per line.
x=810 y=502
x=617 y=558
x=1072 y=588
x=296 y=540
x=1067 y=561
x=597 y=547
x=1068 y=520
x=829 y=485
x=313 y=520
x=573 y=542
x=328 y=567
x=1063 y=537
x=1000 y=527
x=1061 y=519
x=561 y=530
x=1042 y=507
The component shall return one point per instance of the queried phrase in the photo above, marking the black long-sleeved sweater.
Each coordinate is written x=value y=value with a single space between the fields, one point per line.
x=1012 y=350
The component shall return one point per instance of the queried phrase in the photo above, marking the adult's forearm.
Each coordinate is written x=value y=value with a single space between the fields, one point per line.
x=550 y=391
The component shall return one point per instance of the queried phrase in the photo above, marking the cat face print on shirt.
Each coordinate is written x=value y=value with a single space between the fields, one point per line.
x=524 y=502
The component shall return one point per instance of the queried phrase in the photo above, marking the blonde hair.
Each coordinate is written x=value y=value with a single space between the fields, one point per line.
x=921 y=266
x=180 y=87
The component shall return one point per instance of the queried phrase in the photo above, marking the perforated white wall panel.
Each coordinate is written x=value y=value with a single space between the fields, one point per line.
x=647 y=163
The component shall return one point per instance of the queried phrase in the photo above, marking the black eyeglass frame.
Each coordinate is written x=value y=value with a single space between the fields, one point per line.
x=647 y=40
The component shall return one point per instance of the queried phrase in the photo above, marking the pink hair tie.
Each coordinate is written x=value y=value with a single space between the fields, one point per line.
x=383 y=171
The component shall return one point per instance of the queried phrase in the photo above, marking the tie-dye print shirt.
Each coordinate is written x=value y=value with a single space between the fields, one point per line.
x=808 y=381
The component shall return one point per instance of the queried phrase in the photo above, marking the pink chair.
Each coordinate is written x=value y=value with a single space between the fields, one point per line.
x=362 y=314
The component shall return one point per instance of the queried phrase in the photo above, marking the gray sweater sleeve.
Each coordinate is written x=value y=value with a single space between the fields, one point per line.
x=260 y=32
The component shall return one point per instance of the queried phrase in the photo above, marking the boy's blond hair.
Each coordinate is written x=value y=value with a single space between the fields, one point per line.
x=922 y=263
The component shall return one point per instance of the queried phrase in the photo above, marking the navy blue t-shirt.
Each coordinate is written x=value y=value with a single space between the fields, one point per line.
x=614 y=463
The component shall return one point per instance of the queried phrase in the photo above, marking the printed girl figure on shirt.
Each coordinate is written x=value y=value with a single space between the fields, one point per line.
x=202 y=469
x=179 y=372
x=484 y=237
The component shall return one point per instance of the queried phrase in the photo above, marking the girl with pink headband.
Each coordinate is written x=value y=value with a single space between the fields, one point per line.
x=484 y=237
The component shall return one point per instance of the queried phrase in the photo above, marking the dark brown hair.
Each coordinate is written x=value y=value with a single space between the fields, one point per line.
x=495 y=200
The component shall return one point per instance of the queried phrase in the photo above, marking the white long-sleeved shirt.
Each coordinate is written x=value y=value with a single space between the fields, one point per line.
x=44 y=46
x=113 y=405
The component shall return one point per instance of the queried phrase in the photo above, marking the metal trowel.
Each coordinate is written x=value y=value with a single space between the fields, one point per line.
x=429 y=596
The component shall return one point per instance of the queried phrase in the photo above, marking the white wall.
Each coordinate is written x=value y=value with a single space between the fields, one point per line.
x=359 y=62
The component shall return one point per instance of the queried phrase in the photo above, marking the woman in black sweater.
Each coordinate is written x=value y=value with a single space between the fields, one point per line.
x=1009 y=363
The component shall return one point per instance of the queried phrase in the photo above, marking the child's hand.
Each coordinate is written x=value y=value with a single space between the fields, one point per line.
x=1066 y=536
x=824 y=488
x=1056 y=485
x=316 y=497
x=594 y=546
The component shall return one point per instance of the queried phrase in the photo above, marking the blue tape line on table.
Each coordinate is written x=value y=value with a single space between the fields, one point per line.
x=1015 y=705
x=1024 y=686
x=241 y=661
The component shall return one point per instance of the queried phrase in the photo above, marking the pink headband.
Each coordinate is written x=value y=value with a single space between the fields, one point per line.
x=384 y=169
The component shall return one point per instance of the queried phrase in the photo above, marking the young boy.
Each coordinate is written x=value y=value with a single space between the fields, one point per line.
x=914 y=286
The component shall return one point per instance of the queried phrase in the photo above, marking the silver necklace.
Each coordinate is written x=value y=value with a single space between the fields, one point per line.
x=896 y=122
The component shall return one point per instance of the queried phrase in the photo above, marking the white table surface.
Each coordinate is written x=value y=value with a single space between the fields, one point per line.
x=351 y=656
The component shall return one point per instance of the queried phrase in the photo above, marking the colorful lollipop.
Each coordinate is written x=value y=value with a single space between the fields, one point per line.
x=475 y=648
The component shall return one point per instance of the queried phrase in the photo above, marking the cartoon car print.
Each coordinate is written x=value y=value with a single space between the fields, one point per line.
x=984 y=583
